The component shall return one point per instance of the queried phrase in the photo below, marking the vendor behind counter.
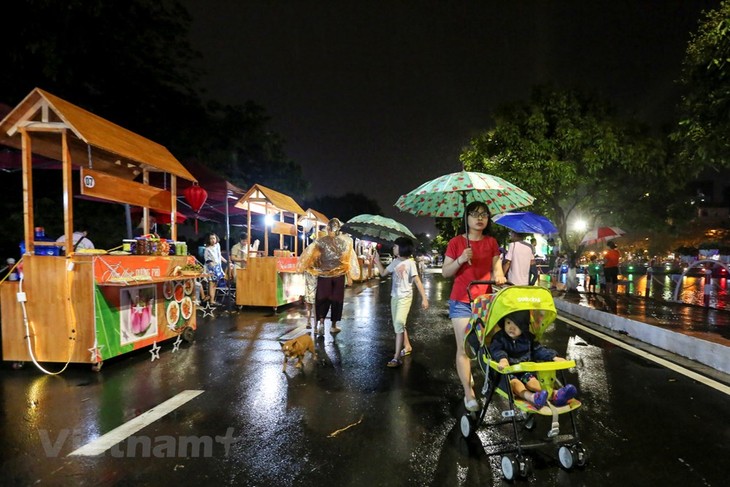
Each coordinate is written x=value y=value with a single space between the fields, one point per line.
x=80 y=241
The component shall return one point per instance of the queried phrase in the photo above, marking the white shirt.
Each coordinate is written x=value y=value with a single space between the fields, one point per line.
x=79 y=239
x=404 y=271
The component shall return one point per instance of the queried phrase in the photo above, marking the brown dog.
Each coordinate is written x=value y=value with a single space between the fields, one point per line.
x=296 y=348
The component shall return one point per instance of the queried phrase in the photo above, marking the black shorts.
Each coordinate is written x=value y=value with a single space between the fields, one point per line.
x=611 y=274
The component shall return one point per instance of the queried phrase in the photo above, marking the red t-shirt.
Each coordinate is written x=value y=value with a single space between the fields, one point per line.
x=480 y=268
x=610 y=259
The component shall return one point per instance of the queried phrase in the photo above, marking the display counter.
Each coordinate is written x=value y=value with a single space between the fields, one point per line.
x=269 y=281
x=89 y=308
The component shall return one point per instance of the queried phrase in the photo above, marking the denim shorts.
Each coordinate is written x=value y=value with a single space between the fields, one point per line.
x=458 y=309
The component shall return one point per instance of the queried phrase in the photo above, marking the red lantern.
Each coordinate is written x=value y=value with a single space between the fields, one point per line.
x=196 y=196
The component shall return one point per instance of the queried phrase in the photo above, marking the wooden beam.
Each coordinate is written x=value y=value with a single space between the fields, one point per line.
x=102 y=185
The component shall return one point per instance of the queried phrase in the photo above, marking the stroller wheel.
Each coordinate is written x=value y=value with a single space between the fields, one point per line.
x=581 y=456
x=467 y=425
x=509 y=467
x=566 y=457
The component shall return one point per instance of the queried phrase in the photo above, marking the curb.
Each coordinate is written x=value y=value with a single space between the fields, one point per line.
x=708 y=353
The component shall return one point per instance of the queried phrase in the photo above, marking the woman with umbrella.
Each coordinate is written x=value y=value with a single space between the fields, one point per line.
x=471 y=256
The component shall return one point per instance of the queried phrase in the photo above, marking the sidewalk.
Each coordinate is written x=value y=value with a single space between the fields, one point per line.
x=697 y=333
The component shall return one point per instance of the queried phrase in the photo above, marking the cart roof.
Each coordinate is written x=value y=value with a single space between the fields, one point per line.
x=316 y=216
x=263 y=200
x=110 y=148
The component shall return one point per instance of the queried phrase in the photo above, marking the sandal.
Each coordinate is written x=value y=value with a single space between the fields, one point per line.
x=334 y=330
x=393 y=363
x=405 y=352
x=471 y=404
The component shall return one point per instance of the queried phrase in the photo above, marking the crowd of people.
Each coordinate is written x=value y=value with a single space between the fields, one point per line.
x=473 y=255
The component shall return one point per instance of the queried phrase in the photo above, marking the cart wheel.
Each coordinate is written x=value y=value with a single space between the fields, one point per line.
x=581 y=455
x=509 y=467
x=530 y=422
x=524 y=464
x=188 y=334
x=96 y=367
x=467 y=425
x=566 y=456
x=18 y=365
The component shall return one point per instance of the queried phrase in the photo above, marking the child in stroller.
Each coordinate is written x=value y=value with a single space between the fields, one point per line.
x=514 y=344
x=531 y=388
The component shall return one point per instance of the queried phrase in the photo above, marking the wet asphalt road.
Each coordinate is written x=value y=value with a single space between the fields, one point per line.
x=346 y=419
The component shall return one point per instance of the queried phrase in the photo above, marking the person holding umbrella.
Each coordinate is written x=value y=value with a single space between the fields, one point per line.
x=610 y=267
x=471 y=256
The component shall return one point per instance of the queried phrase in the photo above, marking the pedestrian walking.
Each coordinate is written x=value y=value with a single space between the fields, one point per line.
x=331 y=258
x=470 y=256
x=518 y=260
x=405 y=275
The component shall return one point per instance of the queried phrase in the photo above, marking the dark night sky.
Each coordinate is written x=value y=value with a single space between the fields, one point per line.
x=379 y=96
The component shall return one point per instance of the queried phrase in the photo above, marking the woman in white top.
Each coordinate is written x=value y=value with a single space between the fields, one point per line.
x=213 y=264
x=518 y=260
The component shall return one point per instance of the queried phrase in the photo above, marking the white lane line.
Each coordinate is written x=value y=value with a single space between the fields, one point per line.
x=118 y=434
x=299 y=330
x=642 y=353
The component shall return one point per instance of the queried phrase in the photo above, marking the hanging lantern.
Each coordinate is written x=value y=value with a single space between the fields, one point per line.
x=195 y=196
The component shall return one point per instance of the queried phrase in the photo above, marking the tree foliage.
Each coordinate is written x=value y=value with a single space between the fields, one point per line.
x=705 y=105
x=131 y=63
x=580 y=161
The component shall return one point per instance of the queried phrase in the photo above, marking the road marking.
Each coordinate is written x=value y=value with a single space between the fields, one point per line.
x=118 y=434
x=642 y=353
x=299 y=330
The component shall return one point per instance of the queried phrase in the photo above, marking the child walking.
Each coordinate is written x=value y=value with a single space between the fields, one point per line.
x=514 y=344
x=594 y=272
x=405 y=273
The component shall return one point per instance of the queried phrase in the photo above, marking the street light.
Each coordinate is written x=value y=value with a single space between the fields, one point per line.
x=580 y=225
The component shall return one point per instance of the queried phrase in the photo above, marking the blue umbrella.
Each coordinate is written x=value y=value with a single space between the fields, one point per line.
x=526 y=222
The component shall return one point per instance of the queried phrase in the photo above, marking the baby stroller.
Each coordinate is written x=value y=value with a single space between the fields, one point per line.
x=487 y=310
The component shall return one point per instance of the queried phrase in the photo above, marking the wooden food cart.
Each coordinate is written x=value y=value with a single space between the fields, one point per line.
x=271 y=280
x=88 y=307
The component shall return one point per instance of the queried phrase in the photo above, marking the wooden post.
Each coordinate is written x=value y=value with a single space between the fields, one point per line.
x=68 y=213
x=27 y=190
x=146 y=210
x=248 y=228
x=266 y=229
x=296 y=236
x=173 y=207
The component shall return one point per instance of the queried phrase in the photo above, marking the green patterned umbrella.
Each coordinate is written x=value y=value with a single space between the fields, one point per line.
x=376 y=228
x=448 y=196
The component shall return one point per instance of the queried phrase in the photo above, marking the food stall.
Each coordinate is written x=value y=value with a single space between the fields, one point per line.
x=271 y=279
x=89 y=306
